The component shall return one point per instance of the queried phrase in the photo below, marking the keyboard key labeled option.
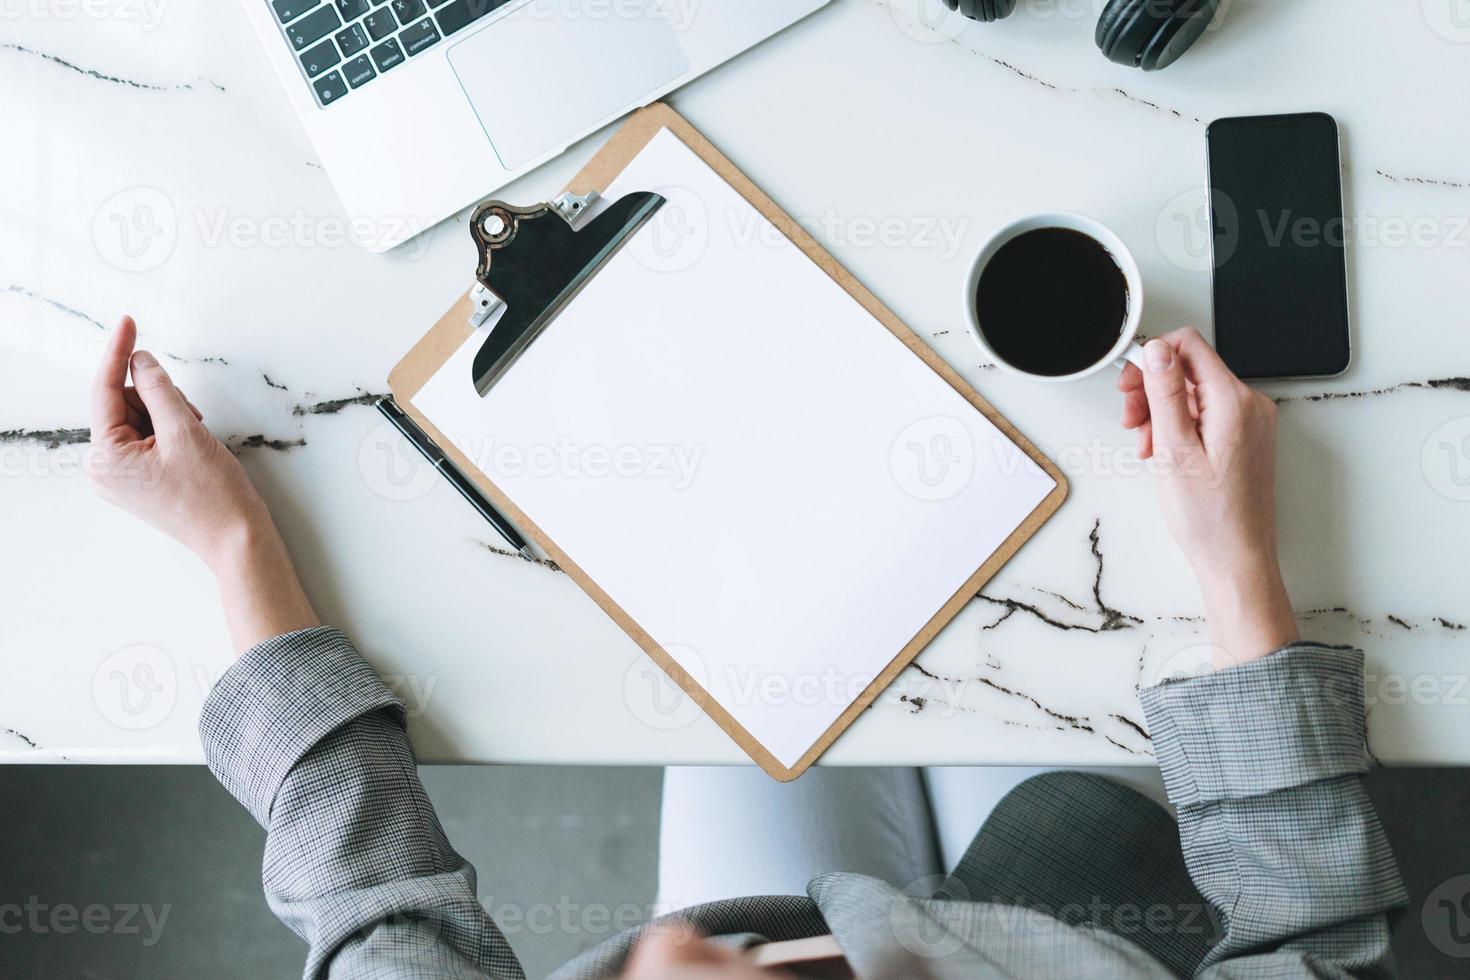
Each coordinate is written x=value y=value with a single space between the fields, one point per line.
x=462 y=13
x=313 y=27
x=329 y=88
x=359 y=71
x=319 y=58
x=387 y=55
x=419 y=36
x=289 y=10
x=379 y=24
x=352 y=40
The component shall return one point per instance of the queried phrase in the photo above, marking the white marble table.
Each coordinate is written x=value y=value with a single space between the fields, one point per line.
x=150 y=166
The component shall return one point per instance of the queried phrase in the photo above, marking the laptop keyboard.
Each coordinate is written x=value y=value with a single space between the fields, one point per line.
x=344 y=44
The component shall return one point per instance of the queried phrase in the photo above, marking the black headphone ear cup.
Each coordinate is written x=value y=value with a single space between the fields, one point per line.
x=1112 y=18
x=1179 y=35
x=1151 y=34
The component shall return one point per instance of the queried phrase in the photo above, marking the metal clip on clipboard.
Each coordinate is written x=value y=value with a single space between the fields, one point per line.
x=541 y=261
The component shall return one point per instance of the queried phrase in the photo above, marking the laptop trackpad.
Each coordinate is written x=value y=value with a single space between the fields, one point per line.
x=553 y=69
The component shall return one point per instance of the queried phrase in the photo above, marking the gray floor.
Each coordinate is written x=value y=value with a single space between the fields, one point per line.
x=169 y=865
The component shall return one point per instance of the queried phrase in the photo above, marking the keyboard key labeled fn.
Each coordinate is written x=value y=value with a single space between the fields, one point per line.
x=329 y=88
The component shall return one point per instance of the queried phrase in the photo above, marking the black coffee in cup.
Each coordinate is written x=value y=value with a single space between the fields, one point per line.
x=1052 y=301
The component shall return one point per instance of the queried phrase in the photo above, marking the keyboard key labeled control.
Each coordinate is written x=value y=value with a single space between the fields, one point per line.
x=462 y=13
x=387 y=55
x=408 y=11
x=289 y=10
x=419 y=36
x=313 y=27
x=351 y=9
x=379 y=24
x=319 y=58
x=359 y=71
x=352 y=40
x=329 y=88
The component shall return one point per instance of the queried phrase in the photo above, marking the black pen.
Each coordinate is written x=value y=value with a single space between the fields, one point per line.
x=420 y=441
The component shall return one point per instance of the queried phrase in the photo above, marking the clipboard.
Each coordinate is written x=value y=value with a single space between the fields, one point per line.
x=458 y=325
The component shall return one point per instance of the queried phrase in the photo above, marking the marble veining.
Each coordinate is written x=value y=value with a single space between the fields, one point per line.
x=282 y=345
x=102 y=76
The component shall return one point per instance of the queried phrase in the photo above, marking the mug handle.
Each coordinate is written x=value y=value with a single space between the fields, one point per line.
x=1133 y=354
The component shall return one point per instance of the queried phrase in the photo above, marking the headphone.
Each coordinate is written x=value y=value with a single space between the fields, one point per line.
x=1147 y=34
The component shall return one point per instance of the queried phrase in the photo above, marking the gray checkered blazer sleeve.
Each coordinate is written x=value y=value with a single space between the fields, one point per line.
x=1264 y=763
x=304 y=734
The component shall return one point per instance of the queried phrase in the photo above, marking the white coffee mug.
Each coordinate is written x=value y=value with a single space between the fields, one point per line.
x=1125 y=350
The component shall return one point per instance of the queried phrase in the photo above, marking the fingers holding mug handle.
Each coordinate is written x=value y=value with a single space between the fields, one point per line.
x=1132 y=355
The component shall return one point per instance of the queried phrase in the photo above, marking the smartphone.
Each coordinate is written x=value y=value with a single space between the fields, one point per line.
x=1279 y=245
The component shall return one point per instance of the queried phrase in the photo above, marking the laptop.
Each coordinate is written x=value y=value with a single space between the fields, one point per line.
x=418 y=108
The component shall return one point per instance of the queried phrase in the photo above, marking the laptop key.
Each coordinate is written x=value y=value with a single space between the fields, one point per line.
x=329 y=88
x=419 y=36
x=379 y=24
x=351 y=41
x=351 y=9
x=313 y=27
x=462 y=13
x=359 y=71
x=289 y=10
x=408 y=11
x=319 y=58
x=387 y=55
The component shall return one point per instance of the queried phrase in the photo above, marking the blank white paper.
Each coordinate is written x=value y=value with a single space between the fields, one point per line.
x=762 y=476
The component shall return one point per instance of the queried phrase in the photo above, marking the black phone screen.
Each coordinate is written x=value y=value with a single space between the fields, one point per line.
x=1280 y=245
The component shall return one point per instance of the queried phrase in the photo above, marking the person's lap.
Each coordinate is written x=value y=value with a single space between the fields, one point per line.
x=733 y=830
x=730 y=831
x=1091 y=849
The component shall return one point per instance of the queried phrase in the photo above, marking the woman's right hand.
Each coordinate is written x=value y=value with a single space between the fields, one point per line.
x=1214 y=441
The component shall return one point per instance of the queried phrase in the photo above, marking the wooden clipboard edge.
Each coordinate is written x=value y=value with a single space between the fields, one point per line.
x=421 y=362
